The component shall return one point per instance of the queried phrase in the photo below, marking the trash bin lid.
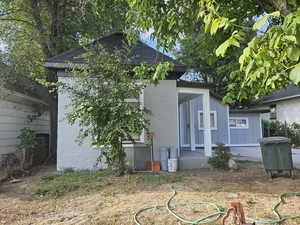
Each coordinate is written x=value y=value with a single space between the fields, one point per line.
x=274 y=140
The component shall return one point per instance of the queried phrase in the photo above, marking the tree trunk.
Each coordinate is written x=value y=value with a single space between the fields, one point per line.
x=51 y=45
x=121 y=160
x=53 y=108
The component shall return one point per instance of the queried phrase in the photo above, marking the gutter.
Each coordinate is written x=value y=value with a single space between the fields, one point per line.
x=281 y=99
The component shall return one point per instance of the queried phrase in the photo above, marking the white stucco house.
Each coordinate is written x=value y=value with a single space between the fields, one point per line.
x=185 y=115
x=284 y=105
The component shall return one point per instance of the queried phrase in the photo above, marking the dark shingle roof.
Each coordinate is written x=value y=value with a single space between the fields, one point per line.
x=282 y=94
x=140 y=51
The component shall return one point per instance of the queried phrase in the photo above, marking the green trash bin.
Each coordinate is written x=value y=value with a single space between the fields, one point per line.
x=277 y=155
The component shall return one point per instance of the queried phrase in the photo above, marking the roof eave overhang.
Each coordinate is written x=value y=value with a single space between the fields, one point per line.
x=173 y=75
x=279 y=99
x=249 y=110
x=62 y=65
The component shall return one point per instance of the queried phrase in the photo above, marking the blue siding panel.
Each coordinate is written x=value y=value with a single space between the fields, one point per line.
x=219 y=135
x=250 y=135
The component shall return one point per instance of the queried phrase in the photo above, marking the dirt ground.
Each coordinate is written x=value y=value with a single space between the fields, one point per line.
x=118 y=198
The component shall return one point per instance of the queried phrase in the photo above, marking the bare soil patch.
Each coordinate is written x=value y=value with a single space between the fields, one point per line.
x=100 y=198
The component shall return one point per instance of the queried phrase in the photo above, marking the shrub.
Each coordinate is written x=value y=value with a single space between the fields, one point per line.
x=28 y=144
x=277 y=128
x=221 y=157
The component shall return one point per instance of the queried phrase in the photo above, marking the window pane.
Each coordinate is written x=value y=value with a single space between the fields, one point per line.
x=232 y=123
x=238 y=123
x=241 y=123
x=201 y=120
x=212 y=120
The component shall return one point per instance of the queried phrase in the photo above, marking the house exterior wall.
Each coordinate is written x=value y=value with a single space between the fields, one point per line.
x=15 y=116
x=246 y=136
x=160 y=99
x=288 y=110
x=69 y=153
x=218 y=135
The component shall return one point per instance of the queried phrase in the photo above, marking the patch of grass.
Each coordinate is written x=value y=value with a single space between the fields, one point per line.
x=109 y=194
x=297 y=170
x=297 y=220
x=56 y=185
x=68 y=170
x=158 y=179
x=56 y=190
x=49 y=177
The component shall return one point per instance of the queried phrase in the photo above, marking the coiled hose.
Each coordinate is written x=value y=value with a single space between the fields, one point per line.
x=219 y=211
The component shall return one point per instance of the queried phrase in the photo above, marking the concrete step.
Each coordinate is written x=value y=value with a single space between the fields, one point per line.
x=187 y=163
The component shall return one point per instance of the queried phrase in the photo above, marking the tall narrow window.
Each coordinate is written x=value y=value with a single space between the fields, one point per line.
x=213 y=120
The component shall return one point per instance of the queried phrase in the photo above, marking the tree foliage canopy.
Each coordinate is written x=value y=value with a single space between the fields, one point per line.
x=197 y=53
x=34 y=30
x=270 y=60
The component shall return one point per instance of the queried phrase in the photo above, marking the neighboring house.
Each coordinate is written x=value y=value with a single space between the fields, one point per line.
x=17 y=111
x=169 y=103
x=284 y=105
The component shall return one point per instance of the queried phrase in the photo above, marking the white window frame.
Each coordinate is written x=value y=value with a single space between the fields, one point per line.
x=239 y=118
x=215 y=120
x=140 y=100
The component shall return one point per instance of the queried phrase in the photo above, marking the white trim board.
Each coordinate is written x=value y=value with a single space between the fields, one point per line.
x=206 y=110
x=229 y=131
x=192 y=125
x=228 y=145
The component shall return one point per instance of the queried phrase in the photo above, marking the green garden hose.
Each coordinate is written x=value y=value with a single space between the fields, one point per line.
x=219 y=211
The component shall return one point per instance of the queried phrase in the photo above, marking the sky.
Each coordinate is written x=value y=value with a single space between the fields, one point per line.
x=146 y=38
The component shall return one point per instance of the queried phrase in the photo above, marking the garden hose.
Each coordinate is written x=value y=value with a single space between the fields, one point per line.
x=219 y=211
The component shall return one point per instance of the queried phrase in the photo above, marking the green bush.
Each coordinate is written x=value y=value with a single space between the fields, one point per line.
x=221 y=157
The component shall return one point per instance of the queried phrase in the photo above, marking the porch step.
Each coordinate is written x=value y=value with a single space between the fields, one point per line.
x=190 y=162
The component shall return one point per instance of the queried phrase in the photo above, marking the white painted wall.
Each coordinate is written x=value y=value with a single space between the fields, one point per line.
x=162 y=100
x=69 y=153
x=14 y=117
x=288 y=110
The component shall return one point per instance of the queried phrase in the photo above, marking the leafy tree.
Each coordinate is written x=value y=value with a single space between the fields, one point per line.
x=270 y=59
x=103 y=95
x=197 y=53
x=34 y=30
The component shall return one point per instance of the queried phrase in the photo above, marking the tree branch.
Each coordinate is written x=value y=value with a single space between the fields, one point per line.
x=18 y=20
x=36 y=14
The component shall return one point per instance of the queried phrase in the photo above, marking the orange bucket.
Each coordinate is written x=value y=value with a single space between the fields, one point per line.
x=153 y=165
